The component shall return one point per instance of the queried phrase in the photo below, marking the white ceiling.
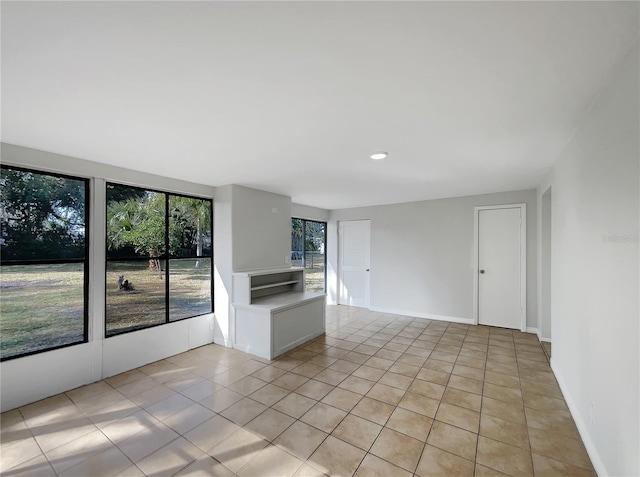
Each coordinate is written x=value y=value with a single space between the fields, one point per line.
x=292 y=97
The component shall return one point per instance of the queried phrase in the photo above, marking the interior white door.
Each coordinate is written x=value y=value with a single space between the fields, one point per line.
x=354 y=262
x=499 y=267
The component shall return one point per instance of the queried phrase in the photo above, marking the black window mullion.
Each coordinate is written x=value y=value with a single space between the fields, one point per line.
x=166 y=254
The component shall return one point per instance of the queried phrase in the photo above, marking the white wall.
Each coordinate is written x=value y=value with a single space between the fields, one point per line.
x=34 y=377
x=261 y=224
x=223 y=264
x=545 y=265
x=422 y=255
x=310 y=213
x=595 y=274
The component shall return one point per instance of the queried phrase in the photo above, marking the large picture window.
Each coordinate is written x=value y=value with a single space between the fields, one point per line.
x=308 y=250
x=159 y=258
x=44 y=261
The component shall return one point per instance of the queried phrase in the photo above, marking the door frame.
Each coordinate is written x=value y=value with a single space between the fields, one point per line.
x=523 y=259
x=340 y=260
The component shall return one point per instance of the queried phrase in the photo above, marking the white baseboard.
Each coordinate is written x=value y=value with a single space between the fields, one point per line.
x=546 y=340
x=428 y=316
x=535 y=331
x=580 y=424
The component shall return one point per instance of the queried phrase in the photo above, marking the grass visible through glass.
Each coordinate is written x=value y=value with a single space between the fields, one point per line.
x=42 y=307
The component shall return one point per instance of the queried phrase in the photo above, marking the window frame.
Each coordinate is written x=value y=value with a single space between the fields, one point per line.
x=304 y=249
x=166 y=257
x=85 y=261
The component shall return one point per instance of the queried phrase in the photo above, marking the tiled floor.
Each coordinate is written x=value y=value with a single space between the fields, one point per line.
x=379 y=395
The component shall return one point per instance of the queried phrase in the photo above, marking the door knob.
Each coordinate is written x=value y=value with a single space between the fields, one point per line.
x=481 y=271
x=367 y=270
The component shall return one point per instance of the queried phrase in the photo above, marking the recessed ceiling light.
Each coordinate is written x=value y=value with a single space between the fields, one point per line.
x=379 y=155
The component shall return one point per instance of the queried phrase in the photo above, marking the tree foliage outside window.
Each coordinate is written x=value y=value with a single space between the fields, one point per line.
x=159 y=258
x=44 y=261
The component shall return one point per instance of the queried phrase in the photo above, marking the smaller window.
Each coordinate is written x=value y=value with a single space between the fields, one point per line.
x=308 y=249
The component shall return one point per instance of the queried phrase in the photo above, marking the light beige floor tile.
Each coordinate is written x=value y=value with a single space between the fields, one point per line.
x=36 y=467
x=559 y=447
x=140 y=445
x=300 y=440
x=331 y=376
x=374 y=466
x=373 y=410
x=410 y=423
x=125 y=378
x=315 y=389
x=471 y=362
x=397 y=448
x=88 y=391
x=425 y=388
x=170 y=458
x=438 y=365
x=271 y=462
x=72 y=453
x=438 y=463
x=510 y=411
x=323 y=417
x=307 y=369
x=239 y=448
x=368 y=373
x=107 y=463
x=420 y=404
x=357 y=385
x=483 y=471
x=324 y=458
x=546 y=467
x=18 y=452
x=294 y=405
x=56 y=434
x=412 y=359
x=169 y=406
x=211 y=432
x=466 y=384
x=188 y=418
x=462 y=398
x=342 y=399
x=405 y=369
x=243 y=411
x=459 y=417
x=433 y=376
x=307 y=471
x=468 y=372
x=227 y=378
x=501 y=393
x=384 y=393
x=453 y=439
x=247 y=385
x=201 y=389
x=269 y=373
x=205 y=466
x=503 y=457
x=220 y=400
x=270 y=424
x=504 y=431
x=396 y=380
x=269 y=394
x=290 y=381
x=357 y=431
x=554 y=421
